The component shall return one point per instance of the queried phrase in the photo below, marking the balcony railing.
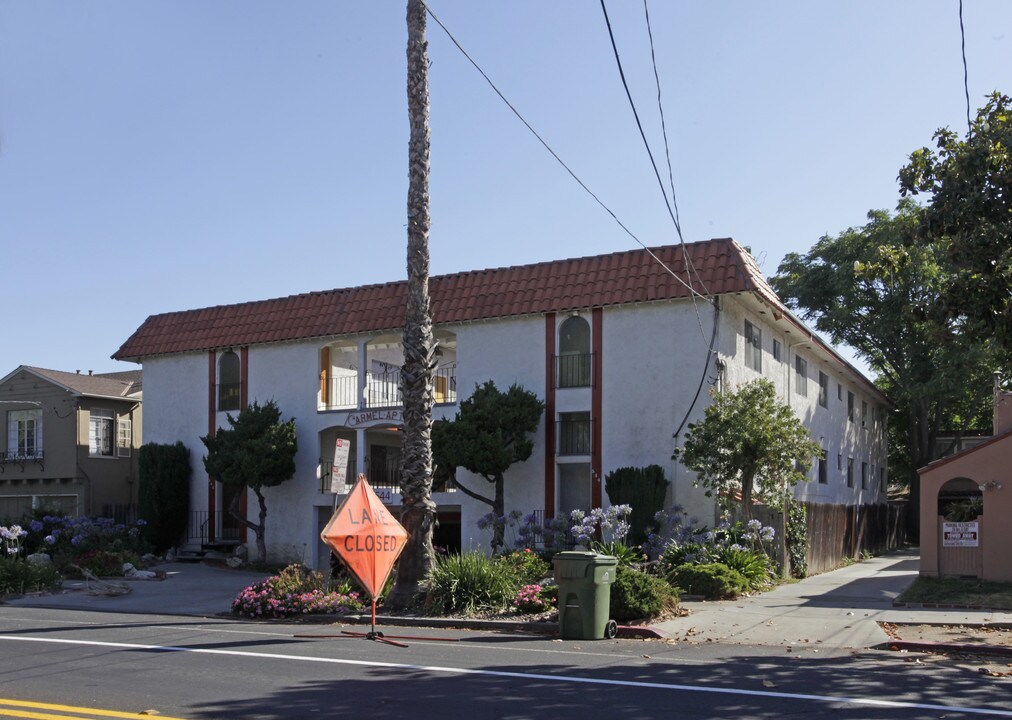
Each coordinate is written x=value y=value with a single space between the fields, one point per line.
x=388 y=476
x=327 y=472
x=229 y=396
x=574 y=436
x=573 y=370
x=383 y=390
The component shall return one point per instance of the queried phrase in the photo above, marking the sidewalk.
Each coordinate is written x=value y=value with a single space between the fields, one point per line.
x=839 y=609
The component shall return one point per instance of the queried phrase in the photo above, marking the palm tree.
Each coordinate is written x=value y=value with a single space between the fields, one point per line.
x=418 y=512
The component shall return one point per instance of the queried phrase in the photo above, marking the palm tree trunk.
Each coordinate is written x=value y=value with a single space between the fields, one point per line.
x=418 y=512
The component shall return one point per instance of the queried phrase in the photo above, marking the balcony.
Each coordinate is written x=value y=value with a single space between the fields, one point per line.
x=383 y=390
x=573 y=370
x=574 y=433
x=385 y=476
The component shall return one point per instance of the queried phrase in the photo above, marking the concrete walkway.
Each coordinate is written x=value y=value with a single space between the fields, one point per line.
x=839 y=609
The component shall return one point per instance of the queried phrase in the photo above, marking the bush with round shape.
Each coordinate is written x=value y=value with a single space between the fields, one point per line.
x=714 y=581
x=636 y=595
x=469 y=583
x=754 y=566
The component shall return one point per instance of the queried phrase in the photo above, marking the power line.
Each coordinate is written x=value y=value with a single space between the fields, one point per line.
x=667 y=153
x=966 y=84
x=688 y=286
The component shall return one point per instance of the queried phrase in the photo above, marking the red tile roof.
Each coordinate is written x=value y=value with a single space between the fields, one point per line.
x=634 y=276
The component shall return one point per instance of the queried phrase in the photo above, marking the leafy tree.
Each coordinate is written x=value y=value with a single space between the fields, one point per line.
x=969 y=215
x=748 y=442
x=257 y=451
x=876 y=288
x=488 y=435
x=418 y=511
x=164 y=494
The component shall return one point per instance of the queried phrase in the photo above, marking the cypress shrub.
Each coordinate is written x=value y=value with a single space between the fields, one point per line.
x=644 y=489
x=164 y=493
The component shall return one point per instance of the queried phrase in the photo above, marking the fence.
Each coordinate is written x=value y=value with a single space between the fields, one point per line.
x=844 y=531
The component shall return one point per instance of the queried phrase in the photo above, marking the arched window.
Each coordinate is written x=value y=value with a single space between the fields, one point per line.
x=229 y=380
x=574 y=353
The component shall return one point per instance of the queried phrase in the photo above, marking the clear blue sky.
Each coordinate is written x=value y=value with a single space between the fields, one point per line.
x=159 y=156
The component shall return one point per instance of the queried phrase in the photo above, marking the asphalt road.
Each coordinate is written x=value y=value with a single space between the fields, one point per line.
x=221 y=668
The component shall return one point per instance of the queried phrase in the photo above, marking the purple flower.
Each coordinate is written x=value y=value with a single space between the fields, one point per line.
x=50 y=539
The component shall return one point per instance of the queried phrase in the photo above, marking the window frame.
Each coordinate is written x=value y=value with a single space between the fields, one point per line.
x=753 y=346
x=101 y=418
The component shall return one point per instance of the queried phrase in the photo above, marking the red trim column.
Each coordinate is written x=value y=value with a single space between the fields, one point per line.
x=211 y=428
x=596 y=419
x=549 y=415
x=243 y=404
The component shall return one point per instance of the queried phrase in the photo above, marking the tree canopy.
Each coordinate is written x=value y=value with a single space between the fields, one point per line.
x=969 y=215
x=488 y=435
x=748 y=442
x=256 y=451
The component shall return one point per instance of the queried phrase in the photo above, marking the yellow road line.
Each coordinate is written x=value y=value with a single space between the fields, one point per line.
x=67 y=709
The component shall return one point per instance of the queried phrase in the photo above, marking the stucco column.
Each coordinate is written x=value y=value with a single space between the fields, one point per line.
x=361 y=445
x=363 y=369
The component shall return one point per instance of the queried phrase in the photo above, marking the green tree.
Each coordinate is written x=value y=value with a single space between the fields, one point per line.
x=256 y=451
x=969 y=216
x=164 y=494
x=489 y=434
x=748 y=442
x=877 y=288
x=418 y=511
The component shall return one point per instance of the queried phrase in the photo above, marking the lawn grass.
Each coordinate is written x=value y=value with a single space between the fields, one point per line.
x=959 y=591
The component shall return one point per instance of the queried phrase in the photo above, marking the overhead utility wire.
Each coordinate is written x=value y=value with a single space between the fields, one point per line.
x=608 y=210
x=966 y=84
x=667 y=153
x=639 y=124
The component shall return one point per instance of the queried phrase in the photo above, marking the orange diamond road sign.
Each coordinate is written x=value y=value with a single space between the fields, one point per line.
x=366 y=536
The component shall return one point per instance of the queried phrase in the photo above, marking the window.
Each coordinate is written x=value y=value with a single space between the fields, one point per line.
x=777 y=351
x=839 y=462
x=850 y=472
x=24 y=433
x=800 y=376
x=839 y=391
x=882 y=478
x=864 y=475
x=574 y=353
x=823 y=470
x=574 y=433
x=100 y=433
x=850 y=406
x=864 y=414
x=229 y=381
x=823 y=389
x=753 y=347
x=124 y=437
x=574 y=487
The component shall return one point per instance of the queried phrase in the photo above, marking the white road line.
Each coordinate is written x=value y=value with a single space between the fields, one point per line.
x=871 y=702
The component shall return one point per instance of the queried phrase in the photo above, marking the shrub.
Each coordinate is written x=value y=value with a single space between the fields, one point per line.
x=104 y=562
x=796 y=539
x=164 y=492
x=714 y=581
x=636 y=595
x=293 y=591
x=469 y=583
x=527 y=567
x=65 y=538
x=535 y=598
x=18 y=577
x=643 y=489
x=754 y=566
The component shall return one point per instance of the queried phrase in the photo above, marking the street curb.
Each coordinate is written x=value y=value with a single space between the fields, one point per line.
x=625 y=632
x=897 y=645
x=943 y=606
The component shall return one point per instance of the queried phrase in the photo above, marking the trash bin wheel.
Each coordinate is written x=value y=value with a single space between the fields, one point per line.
x=611 y=630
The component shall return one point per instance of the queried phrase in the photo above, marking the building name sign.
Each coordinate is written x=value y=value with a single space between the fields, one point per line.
x=375 y=417
x=960 y=534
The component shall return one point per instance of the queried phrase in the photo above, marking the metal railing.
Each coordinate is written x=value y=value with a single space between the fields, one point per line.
x=383 y=390
x=202 y=522
x=229 y=396
x=574 y=436
x=574 y=370
x=327 y=472
x=15 y=457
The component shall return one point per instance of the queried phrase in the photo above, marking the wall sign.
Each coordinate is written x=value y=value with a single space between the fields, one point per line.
x=367 y=418
x=960 y=534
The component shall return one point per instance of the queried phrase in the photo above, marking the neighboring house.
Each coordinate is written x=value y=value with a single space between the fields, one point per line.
x=70 y=443
x=615 y=345
x=980 y=547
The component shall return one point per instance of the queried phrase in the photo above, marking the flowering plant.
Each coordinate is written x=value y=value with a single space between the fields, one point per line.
x=11 y=537
x=535 y=598
x=293 y=591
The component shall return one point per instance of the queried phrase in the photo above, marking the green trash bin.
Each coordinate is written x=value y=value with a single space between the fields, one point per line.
x=584 y=580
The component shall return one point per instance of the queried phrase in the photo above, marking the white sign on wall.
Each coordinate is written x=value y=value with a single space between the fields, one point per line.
x=960 y=534
x=339 y=475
